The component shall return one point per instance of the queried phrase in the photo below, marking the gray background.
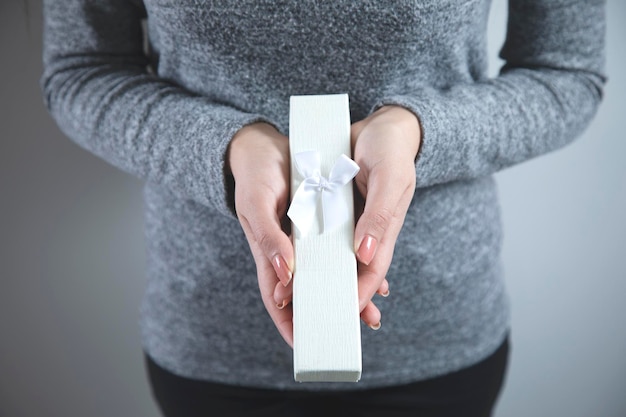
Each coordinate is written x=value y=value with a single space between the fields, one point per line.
x=71 y=257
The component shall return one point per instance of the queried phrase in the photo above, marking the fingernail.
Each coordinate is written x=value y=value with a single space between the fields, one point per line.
x=375 y=326
x=367 y=249
x=281 y=305
x=385 y=294
x=282 y=270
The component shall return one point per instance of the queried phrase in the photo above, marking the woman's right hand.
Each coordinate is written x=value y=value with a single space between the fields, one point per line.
x=258 y=158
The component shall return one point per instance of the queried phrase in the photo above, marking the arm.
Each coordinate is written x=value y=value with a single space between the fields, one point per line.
x=545 y=95
x=97 y=87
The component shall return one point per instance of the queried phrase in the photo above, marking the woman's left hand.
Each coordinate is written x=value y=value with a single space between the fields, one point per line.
x=385 y=146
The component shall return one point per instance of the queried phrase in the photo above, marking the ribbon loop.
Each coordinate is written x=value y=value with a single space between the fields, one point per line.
x=316 y=187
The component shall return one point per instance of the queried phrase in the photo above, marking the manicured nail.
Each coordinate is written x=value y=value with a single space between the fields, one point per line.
x=282 y=270
x=367 y=249
x=375 y=326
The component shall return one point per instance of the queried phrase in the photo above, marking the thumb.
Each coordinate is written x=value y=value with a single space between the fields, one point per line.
x=264 y=228
x=371 y=228
x=380 y=213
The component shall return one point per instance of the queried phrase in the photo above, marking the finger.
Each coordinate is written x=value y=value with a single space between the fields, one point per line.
x=282 y=317
x=384 y=206
x=371 y=316
x=383 y=290
x=265 y=272
x=372 y=277
x=266 y=231
x=369 y=282
x=282 y=295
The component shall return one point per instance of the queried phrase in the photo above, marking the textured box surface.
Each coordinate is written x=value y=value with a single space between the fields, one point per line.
x=327 y=333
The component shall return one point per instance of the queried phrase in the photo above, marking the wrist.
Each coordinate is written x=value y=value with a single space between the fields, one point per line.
x=253 y=130
x=241 y=139
x=408 y=122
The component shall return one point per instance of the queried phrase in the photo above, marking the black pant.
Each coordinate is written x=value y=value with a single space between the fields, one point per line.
x=471 y=392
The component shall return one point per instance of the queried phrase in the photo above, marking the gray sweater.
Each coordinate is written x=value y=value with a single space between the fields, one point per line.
x=165 y=110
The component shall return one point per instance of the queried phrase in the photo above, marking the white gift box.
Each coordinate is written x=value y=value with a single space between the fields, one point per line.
x=327 y=330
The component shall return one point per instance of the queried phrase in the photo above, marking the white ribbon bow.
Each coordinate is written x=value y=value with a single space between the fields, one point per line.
x=314 y=187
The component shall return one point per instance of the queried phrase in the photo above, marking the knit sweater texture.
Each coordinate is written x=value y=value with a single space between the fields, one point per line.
x=158 y=89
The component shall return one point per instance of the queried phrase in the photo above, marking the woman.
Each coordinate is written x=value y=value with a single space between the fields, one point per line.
x=199 y=110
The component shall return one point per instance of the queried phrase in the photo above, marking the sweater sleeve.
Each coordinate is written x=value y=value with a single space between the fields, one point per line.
x=97 y=87
x=545 y=95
